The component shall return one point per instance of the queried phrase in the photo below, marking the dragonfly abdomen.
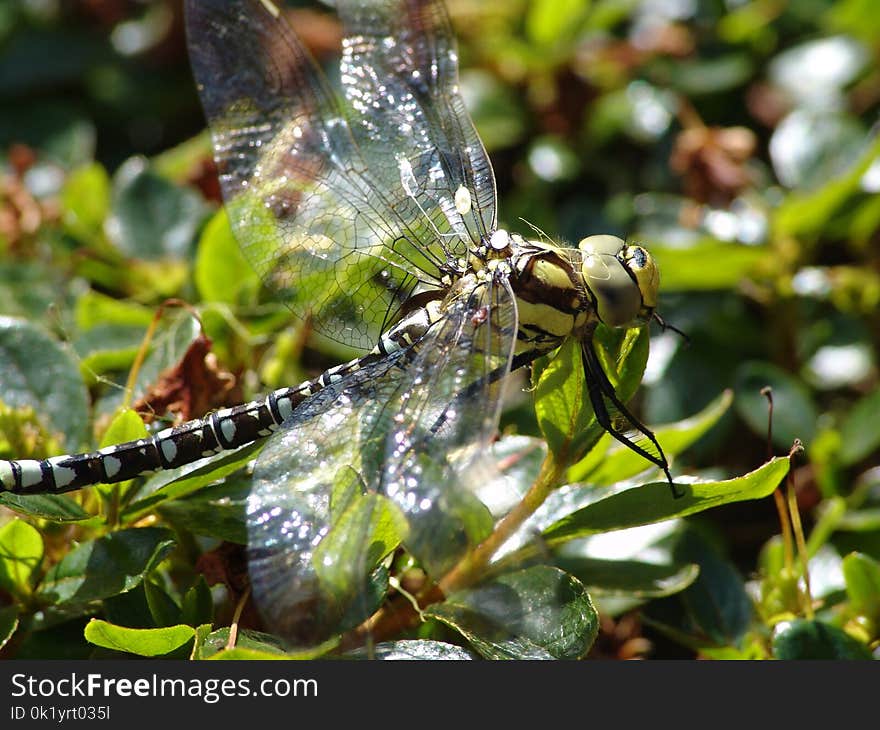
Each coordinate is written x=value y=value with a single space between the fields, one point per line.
x=219 y=431
x=223 y=430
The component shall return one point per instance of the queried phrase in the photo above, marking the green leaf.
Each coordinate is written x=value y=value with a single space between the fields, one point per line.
x=94 y=309
x=421 y=649
x=85 y=200
x=716 y=603
x=60 y=641
x=28 y=289
x=803 y=639
x=143 y=642
x=222 y=274
x=710 y=76
x=218 y=511
x=8 y=623
x=622 y=463
x=562 y=403
x=794 y=414
x=198 y=604
x=653 y=502
x=253 y=645
x=630 y=578
x=53 y=507
x=125 y=426
x=560 y=395
x=129 y=609
x=684 y=269
x=535 y=613
x=163 y=609
x=36 y=371
x=106 y=566
x=550 y=21
x=860 y=430
x=151 y=217
x=21 y=552
x=862 y=576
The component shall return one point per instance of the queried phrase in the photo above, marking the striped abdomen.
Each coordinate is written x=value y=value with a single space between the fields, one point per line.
x=223 y=430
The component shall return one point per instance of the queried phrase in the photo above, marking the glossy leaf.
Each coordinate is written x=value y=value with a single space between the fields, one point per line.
x=163 y=608
x=560 y=396
x=371 y=522
x=106 y=566
x=653 y=503
x=36 y=371
x=716 y=603
x=803 y=639
x=535 y=613
x=216 y=511
x=151 y=217
x=254 y=643
x=180 y=483
x=630 y=578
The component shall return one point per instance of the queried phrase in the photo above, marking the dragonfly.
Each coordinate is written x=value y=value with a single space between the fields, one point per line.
x=369 y=206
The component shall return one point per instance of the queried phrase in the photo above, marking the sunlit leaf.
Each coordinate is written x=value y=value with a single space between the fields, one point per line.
x=21 y=552
x=652 y=502
x=143 y=642
x=221 y=272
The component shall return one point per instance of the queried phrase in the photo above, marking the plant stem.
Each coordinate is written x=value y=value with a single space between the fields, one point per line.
x=401 y=614
x=473 y=565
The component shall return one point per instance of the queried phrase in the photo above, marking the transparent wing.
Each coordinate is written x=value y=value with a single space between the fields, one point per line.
x=397 y=451
x=308 y=476
x=343 y=206
x=440 y=471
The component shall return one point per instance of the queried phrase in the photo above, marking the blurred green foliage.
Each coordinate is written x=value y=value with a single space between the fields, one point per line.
x=735 y=138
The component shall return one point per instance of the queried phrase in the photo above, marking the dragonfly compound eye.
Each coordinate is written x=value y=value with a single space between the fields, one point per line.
x=647 y=275
x=615 y=289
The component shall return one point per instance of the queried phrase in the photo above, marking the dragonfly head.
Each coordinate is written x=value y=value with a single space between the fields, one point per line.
x=622 y=278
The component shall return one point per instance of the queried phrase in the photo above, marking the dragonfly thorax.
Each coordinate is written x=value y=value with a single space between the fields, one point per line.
x=564 y=291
